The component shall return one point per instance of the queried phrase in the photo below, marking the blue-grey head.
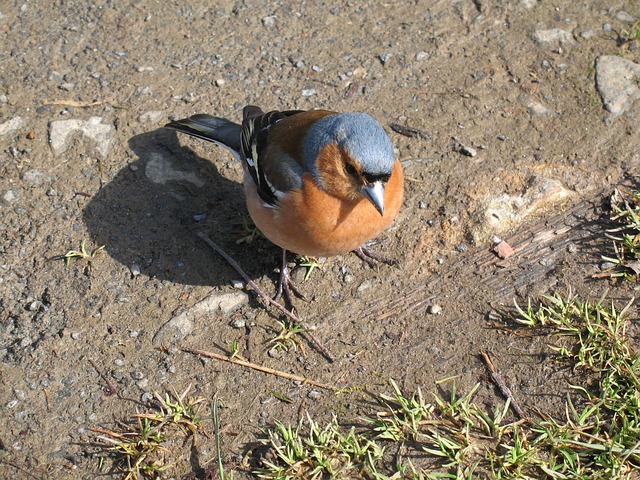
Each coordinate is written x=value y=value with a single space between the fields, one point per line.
x=349 y=154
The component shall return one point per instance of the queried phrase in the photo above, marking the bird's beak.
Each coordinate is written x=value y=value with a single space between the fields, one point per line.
x=374 y=192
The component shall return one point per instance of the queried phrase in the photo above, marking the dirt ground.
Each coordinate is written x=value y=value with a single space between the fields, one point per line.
x=465 y=73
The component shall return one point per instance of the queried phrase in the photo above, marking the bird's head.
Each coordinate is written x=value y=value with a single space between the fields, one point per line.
x=350 y=156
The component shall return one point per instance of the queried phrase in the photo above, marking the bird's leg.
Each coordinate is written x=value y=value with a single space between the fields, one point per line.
x=286 y=284
x=372 y=258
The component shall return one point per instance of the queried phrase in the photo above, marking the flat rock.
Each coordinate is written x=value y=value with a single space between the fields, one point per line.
x=553 y=38
x=183 y=324
x=160 y=170
x=61 y=131
x=153 y=116
x=617 y=82
x=534 y=107
x=11 y=126
x=504 y=212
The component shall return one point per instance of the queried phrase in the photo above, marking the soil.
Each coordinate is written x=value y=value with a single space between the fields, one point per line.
x=463 y=73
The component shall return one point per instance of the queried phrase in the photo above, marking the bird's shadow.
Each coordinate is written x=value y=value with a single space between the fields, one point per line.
x=148 y=214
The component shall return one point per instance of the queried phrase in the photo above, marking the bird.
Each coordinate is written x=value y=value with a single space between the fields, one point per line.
x=317 y=183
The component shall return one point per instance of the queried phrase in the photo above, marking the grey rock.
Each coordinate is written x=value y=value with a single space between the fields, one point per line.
x=181 y=325
x=308 y=92
x=135 y=269
x=624 y=17
x=60 y=132
x=553 y=38
x=160 y=170
x=528 y=4
x=11 y=126
x=617 y=82
x=153 y=116
x=9 y=196
x=535 y=108
x=422 y=56
x=587 y=34
x=269 y=21
x=468 y=151
x=35 y=177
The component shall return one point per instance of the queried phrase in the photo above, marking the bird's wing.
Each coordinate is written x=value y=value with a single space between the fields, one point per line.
x=256 y=126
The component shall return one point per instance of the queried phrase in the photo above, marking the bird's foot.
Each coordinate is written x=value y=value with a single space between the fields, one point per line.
x=248 y=238
x=286 y=286
x=372 y=258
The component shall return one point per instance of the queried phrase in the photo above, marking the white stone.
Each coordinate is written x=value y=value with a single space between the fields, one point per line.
x=553 y=38
x=11 y=126
x=153 y=116
x=617 y=82
x=160 y=170
x=60 y=132
x=183 y=324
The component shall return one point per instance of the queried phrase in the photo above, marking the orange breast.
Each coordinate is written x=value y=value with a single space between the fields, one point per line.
x=311 y=222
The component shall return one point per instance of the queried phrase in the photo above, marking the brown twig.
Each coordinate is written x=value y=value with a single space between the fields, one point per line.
x=407 y=131
x=497 y=379
x=74 y=103
x=260 y=368
x=214 y=246
x=108 y=390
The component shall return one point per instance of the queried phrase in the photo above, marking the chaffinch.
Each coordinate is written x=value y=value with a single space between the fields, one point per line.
x=317 y=183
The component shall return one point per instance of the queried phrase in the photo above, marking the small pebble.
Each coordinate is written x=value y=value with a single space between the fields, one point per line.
x=119 y=362
x=134 y=333
x=275 y=352
x=308 y=92
x=421 y=56
x=314 y=395
x=135 y=269
x=146 y=397
x=606 y=27
x=587 y=34
x=75 y=335
x=119 y=376
x=269 y=21
x=137 y=375
x=384 y=58
x=572 y=248
x=348 y=278
x=366 y=285
x=461 y=247
x=238 y=323
x=501 y=137
x=607 y=265
x=220 y=82
x=237 y=284
x=468 y=151
x=422 y=205
x=434 y=309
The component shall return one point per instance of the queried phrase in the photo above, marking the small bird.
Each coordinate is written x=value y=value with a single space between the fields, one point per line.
x=317 y=183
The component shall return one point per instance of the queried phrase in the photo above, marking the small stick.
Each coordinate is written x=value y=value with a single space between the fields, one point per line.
x=73 y=103
x=495 y=376
x=407 y=131
x=108 y=390
x=214 y=246
x=260 y=368
x=48 y=399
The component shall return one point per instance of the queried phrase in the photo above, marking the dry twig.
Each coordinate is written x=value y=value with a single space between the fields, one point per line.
x=260 y=368
x=214 y=246
x=497 y=379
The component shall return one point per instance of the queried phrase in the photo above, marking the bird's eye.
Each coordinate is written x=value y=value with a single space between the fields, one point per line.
x=351 y=170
